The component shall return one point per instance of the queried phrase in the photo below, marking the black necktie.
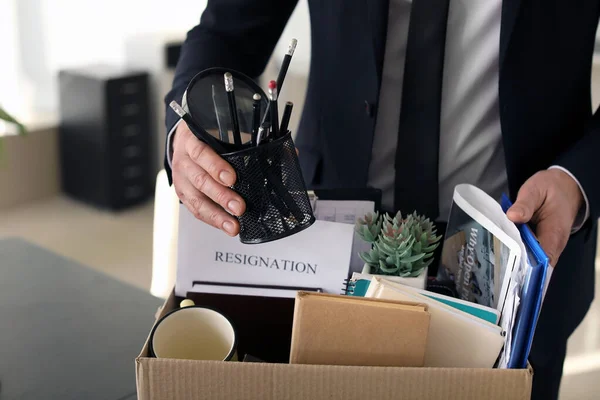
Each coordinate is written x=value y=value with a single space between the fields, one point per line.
x=416 y=185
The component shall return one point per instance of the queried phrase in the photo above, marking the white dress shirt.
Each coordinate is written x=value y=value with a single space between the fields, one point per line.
x=471 y=149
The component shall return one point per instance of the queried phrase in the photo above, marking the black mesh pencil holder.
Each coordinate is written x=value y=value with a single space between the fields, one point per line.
x=269 y=178
x=270 y=181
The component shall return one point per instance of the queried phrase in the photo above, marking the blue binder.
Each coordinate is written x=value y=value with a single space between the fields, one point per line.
x=532 y=294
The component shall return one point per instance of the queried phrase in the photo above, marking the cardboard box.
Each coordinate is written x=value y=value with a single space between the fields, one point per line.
x=188 y=379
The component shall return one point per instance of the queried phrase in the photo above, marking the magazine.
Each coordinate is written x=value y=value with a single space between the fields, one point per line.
x=479 y=253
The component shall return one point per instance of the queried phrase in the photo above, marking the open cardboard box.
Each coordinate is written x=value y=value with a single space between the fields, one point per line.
x=189 y=379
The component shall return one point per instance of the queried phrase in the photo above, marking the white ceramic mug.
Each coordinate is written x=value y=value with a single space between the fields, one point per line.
x=194 y=333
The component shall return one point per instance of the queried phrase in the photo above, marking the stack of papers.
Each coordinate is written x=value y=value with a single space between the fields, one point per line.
x=456 y=338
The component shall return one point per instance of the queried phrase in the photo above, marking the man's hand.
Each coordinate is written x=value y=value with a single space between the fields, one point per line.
x=202 y=180
x=551 y=200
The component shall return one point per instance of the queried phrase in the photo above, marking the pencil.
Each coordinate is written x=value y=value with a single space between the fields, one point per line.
x=286 y=63
x=237 y=138
x=274 y=114
x=283 y=71
x=255 y=116
x=285 y=119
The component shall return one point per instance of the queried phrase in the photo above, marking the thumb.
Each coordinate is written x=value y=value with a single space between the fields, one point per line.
x=529 y=200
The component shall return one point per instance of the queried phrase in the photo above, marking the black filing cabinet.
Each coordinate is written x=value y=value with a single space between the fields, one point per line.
x=105 y=136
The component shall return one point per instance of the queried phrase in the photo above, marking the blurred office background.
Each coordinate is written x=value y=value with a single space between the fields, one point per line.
x=41 y=38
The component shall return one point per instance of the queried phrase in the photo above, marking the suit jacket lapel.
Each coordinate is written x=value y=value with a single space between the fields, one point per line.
x=510 y=11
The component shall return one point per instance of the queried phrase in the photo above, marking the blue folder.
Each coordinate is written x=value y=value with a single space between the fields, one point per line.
x=532 y=294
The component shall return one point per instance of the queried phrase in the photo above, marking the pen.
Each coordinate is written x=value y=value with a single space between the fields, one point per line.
x=237 y=138
x=199 y=132
x=263 y=131
x=222 y=130
x=273 y=109
x=286 y=63
x=255 y=116
x=285 y=120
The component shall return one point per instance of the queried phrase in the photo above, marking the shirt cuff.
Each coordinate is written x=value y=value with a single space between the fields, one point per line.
x=172 y=132
x=170 y=143
x=584 y=213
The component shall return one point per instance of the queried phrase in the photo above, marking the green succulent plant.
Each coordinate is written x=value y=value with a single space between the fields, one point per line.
x=401 y=246
x=369 y=226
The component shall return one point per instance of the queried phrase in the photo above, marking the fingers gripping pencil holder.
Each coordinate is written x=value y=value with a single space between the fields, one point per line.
x=270 y=181
x=224 y=105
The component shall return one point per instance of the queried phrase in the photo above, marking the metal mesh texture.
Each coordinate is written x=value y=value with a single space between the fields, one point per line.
x=270 y=181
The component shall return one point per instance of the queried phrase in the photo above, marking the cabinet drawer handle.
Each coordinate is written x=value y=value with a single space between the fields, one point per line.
x=132 y=192
x=130 y=88
x=131 y=172
x=130 y=109
x=131 y=151
x=131 y=130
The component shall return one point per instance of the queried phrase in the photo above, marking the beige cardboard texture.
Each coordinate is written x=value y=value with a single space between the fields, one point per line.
x=194 y=380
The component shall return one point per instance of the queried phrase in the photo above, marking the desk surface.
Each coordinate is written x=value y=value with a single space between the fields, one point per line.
x=66 y=331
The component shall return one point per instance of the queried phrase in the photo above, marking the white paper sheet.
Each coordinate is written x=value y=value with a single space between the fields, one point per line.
x=347 y=212
x=316 y=258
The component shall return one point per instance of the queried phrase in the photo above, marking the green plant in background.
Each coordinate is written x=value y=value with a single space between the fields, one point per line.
x=400 y=246
x=4 y=116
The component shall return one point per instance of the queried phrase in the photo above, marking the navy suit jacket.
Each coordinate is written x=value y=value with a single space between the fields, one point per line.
x=546 y=50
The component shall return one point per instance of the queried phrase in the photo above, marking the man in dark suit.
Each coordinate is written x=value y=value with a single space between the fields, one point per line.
x=414 y=97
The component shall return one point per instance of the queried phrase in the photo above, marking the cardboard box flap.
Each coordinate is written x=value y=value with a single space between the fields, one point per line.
x=183 y=379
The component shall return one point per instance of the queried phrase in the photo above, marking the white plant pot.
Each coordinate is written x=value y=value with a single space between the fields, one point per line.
x=418 y=282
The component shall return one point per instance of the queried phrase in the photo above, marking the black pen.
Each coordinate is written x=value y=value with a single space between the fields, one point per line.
x=273 y=109
x=198 y=131
x=286 y=63
x=285 y=119
x=237 y=138
x=255 y=116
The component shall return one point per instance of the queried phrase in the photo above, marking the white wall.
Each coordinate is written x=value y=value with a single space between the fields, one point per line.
x=9 y=68
x=40 y=37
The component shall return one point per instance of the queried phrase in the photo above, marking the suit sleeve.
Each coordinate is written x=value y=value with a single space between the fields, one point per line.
x=236 y=34
x=581 y=160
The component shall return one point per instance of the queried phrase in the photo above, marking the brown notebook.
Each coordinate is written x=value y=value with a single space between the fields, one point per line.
x=346 y=330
